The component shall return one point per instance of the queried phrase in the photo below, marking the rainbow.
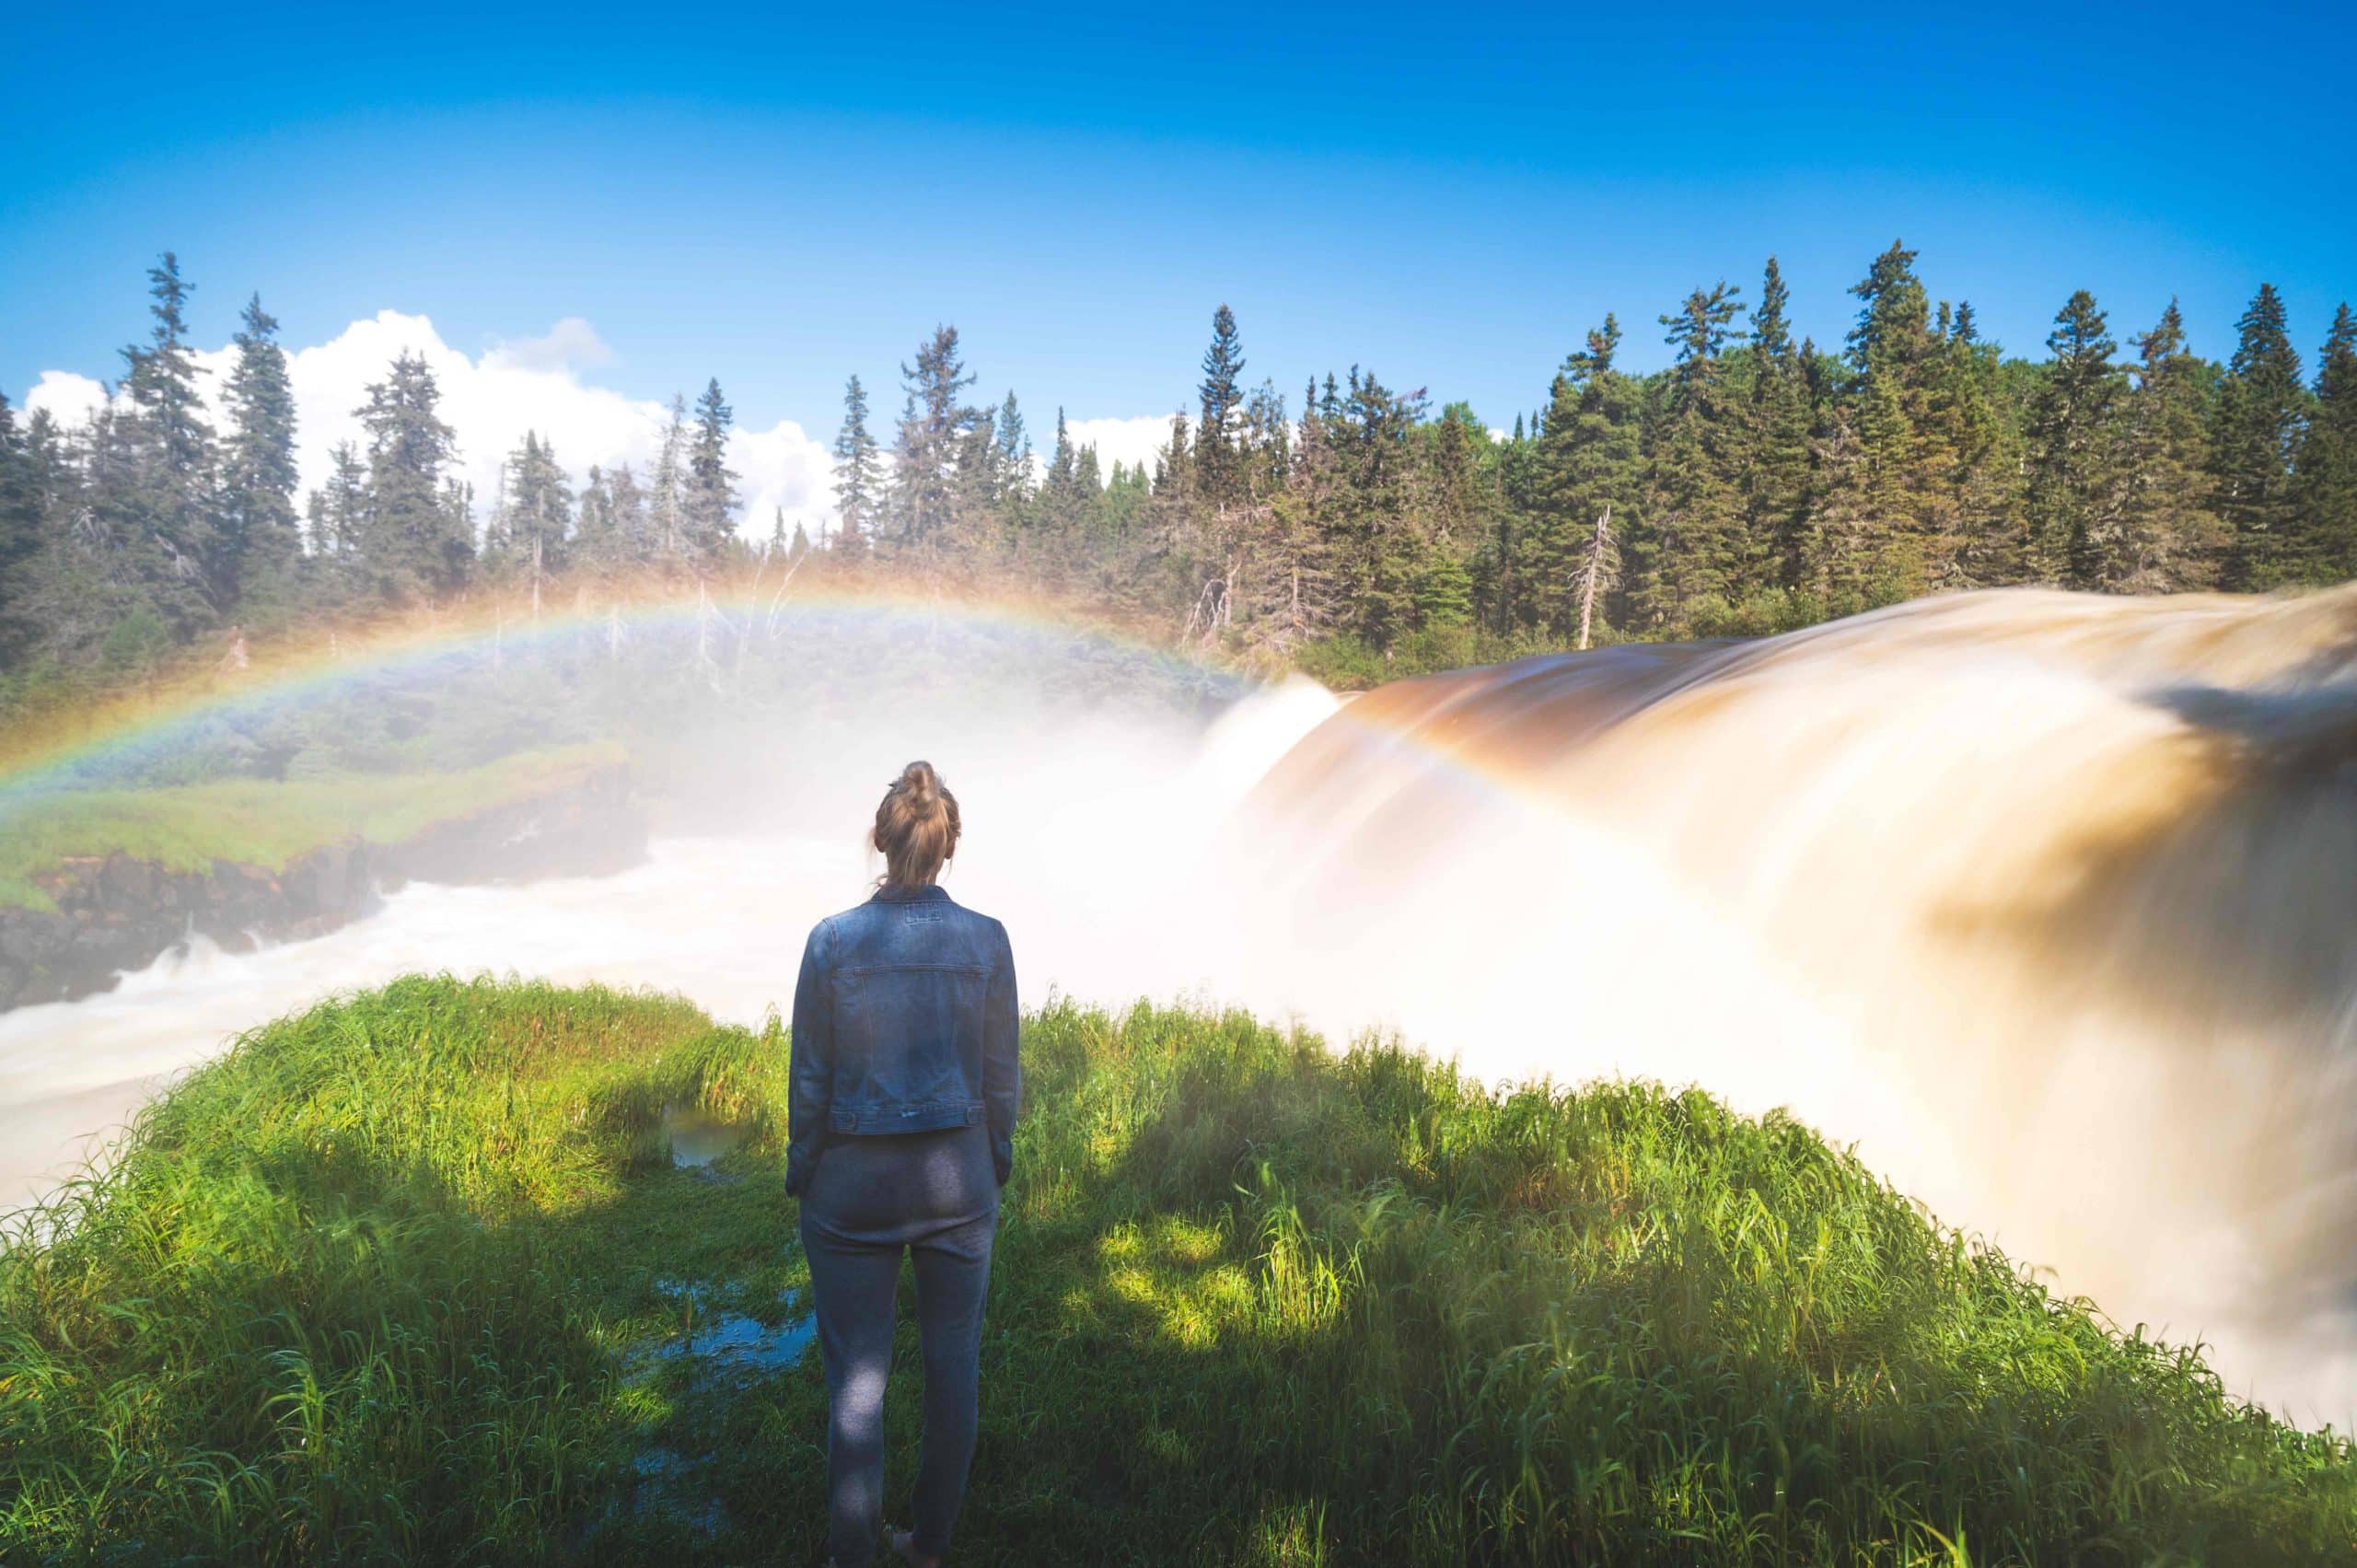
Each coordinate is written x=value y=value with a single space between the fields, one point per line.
x=74 y=749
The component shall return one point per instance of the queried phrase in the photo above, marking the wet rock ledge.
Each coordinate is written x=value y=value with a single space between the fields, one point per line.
x=115 y=914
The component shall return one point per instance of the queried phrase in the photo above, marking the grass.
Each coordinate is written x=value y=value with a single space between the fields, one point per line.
x=264 y=823
x=381 y=1286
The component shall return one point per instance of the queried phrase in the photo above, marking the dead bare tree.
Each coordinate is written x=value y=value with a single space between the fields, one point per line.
x=1592 y=571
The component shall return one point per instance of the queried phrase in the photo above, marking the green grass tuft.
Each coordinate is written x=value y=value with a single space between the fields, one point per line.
x=383 y=1286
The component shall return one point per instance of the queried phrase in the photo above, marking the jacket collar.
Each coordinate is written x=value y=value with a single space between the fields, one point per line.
x=931 y=893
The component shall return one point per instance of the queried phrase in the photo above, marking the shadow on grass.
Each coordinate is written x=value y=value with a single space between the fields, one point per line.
x=396 y=1283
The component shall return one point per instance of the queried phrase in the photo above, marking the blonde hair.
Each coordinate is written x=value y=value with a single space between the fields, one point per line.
x=916 y=827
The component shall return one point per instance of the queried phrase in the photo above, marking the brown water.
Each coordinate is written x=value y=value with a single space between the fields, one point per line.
x=2049 y=901
x=2048 y=904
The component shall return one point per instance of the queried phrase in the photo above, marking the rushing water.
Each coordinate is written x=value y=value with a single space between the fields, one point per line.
x=2045 y=902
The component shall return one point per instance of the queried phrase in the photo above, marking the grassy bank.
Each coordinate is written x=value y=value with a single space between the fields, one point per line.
x=396 y=1281
x=264 y=823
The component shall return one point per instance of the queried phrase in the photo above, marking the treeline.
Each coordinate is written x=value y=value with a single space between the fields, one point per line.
x=1757 y=484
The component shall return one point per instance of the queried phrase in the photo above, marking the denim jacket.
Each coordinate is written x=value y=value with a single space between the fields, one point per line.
x=904 y=1021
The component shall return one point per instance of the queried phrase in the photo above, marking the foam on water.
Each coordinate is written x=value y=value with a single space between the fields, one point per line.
x=2044 y=902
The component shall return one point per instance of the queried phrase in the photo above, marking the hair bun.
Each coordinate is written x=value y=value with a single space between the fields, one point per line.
x=916 y=826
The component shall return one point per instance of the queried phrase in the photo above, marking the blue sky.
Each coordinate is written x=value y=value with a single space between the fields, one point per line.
x=1448 y=196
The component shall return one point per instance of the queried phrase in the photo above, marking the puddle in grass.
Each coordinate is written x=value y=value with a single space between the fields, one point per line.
x=698 y=1137
x=731 y=1346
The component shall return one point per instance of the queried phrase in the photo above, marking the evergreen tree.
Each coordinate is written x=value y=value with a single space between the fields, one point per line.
x=859 y=473
x=1907 y=459
x=2169 y=536
x=1693 y=547
x=1218 y=466
x=538 y=511
x=2325 y=474
x=709 y=512
x=414 y=541
x=259 y=541
x=338 y=513
x=154 y=483
x=596 y=536
x=935 y=424
x=1011 y=453
x=1775 y=465
x=1588 y=461
x=2256 y=432
x=21 y=504
x=2074 y=521
x=668 y=506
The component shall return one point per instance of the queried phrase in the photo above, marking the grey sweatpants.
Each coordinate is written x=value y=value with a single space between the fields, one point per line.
x=935 y=1196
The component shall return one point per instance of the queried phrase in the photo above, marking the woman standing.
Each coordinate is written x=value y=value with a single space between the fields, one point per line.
x=900 y=1132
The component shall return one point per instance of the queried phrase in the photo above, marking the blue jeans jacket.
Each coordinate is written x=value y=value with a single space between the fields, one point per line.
x=904 y=1021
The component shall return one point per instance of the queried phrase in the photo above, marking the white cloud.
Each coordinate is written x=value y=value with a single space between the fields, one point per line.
x=535 y=383
x=519 y=385
x=71 y=399
x=572 y=344
x=1132 y=441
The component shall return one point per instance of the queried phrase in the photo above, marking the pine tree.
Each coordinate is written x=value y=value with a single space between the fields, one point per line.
x=2325 y=488
x=859 y=473
x=413 y=542
x=1694 y=548
x=259 y=541
x=1011 y=465
x=709 y=514
x=157 y=481
x=21 y=506
x=1218 y=476
x=935 y=424
x=667 y=506
x=1775 y=465
x=2073 y=501
x=596 y=537
x=2169 y=536
x=2256 y=432
x=1588 y=458
x=338 y=513
x=539 y=512
x=1908 y=457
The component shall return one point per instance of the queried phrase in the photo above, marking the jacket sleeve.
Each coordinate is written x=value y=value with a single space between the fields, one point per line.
x=813 y=1064
x=1002 y=1068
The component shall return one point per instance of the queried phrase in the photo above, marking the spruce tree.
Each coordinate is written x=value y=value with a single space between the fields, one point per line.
x=21 y=506
x=2074 y=521
x=709 y=514
x=859 y=473
x=2325 y=488
x=1218 y=477
x=154 y=483
x=413 y=540
x=539 y=512
x=1011 y=453
x=935 y=424
x=1906 y=456
x=1692 y=547
x=1588 y=458
x=1775 y=465
x=260 y=539
x=2256 y=432
x=668 y=506
x=2169 y=535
